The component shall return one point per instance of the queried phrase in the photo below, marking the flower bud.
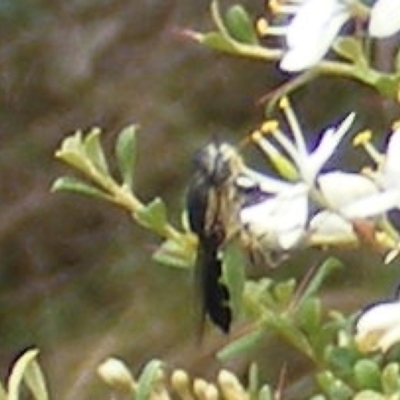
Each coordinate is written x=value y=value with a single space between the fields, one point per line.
x=115 y=373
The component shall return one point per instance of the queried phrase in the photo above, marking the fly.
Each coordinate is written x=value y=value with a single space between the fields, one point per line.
x=213 y=204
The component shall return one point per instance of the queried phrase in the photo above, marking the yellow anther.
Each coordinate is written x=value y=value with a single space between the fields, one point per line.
x=362 y=138
x=269 y=126
x=274 y=6
x=284 y=103
x=256 y=136
x=396 y=125
x=262 y=26
x=277 y=6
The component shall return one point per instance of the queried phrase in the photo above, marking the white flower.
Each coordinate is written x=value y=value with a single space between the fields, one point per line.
x=385 y=18
x=360 y=212
x=317 y=23
x=365 y=197
x=378 y=327
x=280 y=221
x=333 y=224
x=390 y=171
x=312 y=31
x=387 y=179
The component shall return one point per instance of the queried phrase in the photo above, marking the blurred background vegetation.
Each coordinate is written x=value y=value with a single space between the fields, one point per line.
x=76 y=276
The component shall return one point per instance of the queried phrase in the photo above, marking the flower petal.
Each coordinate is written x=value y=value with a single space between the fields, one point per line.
x=385 y=18
x=391 y=167
x=267 y=184
x=340 y=189
x=311 y=33
x=327 y=145
x=374 y=205
x=279 y=222
x=329 y=228
x=378 y=327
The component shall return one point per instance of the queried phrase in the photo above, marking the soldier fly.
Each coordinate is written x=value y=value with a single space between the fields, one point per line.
x=214 y=200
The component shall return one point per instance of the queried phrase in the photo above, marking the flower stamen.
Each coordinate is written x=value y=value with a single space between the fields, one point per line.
x=294 y=124
x=282 y=164
x=269 y=126
x=364 y=139
x=264 y=28
x=282 y=7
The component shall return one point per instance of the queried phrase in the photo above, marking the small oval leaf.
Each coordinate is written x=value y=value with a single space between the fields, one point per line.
x=239 y=25
x=94 y=150
x=242 y=345
x=171 y=253
x=234 y=275
x=18 y=371
x=153 y=215
x=330 y=265
x=148 y=379
x=125 y=151
x=217 y=41
x=351 y=49
x=72 y=184
x=391 y=378
x=35 y=380
x=367 y=374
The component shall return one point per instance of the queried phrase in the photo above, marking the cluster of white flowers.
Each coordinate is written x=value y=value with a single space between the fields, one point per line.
x=312 y=207
x=315 y=24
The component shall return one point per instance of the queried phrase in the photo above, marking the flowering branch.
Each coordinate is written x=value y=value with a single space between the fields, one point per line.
x=307 y=41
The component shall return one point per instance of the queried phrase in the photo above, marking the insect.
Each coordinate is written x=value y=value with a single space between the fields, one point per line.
x=213 y=206
x=220 y=186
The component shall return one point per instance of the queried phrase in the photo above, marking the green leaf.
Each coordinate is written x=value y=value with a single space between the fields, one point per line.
x=388 y=85
x=242 y=345
x=308 y=316
x=256 y=297
x=18 y=372
x=171 y=253
x=341 y=359
x=153 y=215
x=72 y=143
x=239 y=25
x=266 y=393
x=284 y=327
x=35 y=380
x=367 y=374
x=72 y=184
x=334 y=387
x=217 y=41
x=72 y=152
x=125 y=151
x=254 y=381
x=329 y=266
x=148 y=379
x=391 y=379
x=94 y=150
x=351 y=49
x=283 y=291
x=234 y=264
